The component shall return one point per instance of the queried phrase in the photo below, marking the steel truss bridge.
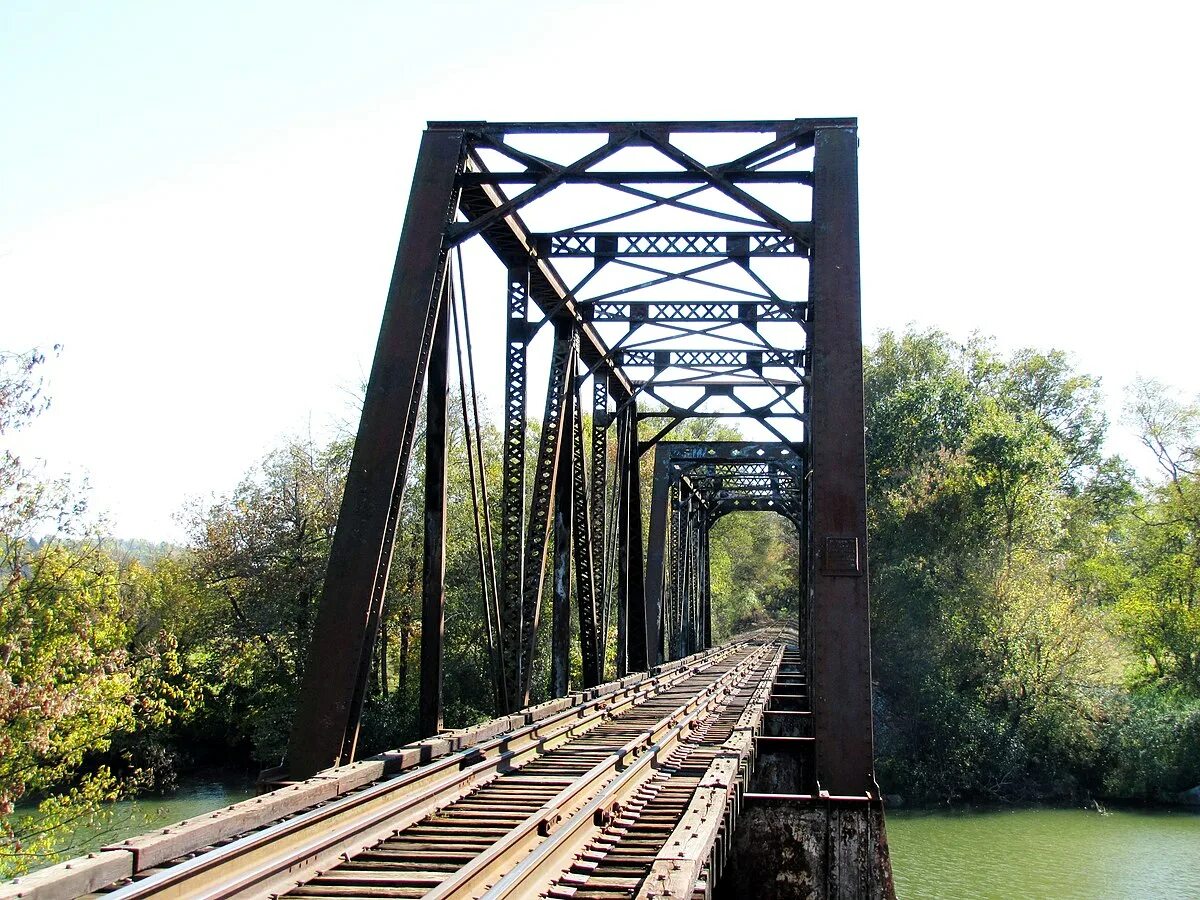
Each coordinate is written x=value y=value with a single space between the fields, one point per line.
x=666 y=272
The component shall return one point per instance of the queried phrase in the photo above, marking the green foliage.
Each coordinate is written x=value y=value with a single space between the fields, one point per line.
x=754 y=569
x=993 y=670
x=255 y=572
x=1153 y=746
x=74 y=675
x=1158 y=609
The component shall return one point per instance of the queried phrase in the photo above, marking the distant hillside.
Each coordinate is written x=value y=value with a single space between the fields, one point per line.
x=123 y=549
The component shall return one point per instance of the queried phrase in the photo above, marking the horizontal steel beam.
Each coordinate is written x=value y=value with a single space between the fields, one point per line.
x=721 y=508
x=739 y=176
x=753 y=359
x=693 y=453
x=779 y=481
x=645 y=312
x=757 y=413
x=687 y=244
x=767 y=468
x=757 y=126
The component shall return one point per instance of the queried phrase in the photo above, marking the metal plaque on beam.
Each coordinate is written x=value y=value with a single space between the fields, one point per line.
x=841 y=556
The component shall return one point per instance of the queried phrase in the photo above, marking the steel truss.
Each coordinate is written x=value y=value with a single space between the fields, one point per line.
x=694 y=485
x=695 y=280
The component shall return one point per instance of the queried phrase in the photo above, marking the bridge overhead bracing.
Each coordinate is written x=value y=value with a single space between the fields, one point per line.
x=677 y=270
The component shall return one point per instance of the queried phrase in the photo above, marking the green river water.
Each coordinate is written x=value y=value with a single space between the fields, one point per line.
x=133 y=817
x=1046 y=854
x=1032 y=854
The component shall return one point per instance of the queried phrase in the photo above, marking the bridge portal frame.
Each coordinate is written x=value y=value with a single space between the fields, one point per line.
x=455 y=197
x=694 y=484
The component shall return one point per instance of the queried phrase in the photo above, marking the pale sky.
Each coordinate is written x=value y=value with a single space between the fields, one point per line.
x=201 y=201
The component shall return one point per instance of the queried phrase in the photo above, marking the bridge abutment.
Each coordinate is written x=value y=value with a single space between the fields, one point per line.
x=814 y=850
x=793 y=840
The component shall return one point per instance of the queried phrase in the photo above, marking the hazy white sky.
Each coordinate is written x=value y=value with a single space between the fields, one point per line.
x=201 y=202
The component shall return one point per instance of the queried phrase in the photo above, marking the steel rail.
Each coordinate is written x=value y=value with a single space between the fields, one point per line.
x=575 y=811
x=251 y=865
x=677 y=822
x=692 y=847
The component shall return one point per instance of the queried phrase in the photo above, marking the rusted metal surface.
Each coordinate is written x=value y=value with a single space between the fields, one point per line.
x=512 y=500
x=503 y=810
x=564 y=527
x=553 y=445
x=326 y=725
x=841 y=618
x=433 y=579
x=815 y=850
x=589 y=586
x=690 y=302
x=640 y=625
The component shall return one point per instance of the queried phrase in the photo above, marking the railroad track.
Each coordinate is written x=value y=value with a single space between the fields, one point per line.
x=630 y=792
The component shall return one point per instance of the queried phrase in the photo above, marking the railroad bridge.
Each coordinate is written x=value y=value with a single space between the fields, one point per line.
x=646 y=274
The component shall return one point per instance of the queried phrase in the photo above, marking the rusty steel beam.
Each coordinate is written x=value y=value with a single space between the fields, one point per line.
x=325 y=728
x=541 y=505
x=787 y=127
x=599 y=519
x=564 y=526
x=433 y=578
x=741 y=176
x=604 y=245
x=656 y=574
x=754 y=360
x=512 y=498
x=680 y=312
x=637 y=626
x=841 y=625
x=584 y=544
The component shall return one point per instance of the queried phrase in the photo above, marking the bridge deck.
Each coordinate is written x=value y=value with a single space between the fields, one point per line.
x=630 y=789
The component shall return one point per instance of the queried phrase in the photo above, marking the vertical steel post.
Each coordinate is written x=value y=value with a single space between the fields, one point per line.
x=620 y=540
x=512 y=499
x=433 y=579
x=586 y=576
x=631 y=592
x=690 y=572
x=656 y=575
x=641 y=626
x=599 y=514
x=541 y=507
x=804 y=556
x=678 y=636
x=325 y=728
x=842 y=651
x=564 y=517
x=705 y=585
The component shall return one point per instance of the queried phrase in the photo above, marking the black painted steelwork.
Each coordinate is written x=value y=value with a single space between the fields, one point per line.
x=679 y=271
x=694 y=485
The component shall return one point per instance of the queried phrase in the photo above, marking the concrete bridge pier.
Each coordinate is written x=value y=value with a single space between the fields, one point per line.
x=794 y=840
x=815 y=850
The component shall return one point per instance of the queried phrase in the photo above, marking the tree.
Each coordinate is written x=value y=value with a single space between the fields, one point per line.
x=1159 y=605
x=990 y=665
x=69 y=683
x=257 y=562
